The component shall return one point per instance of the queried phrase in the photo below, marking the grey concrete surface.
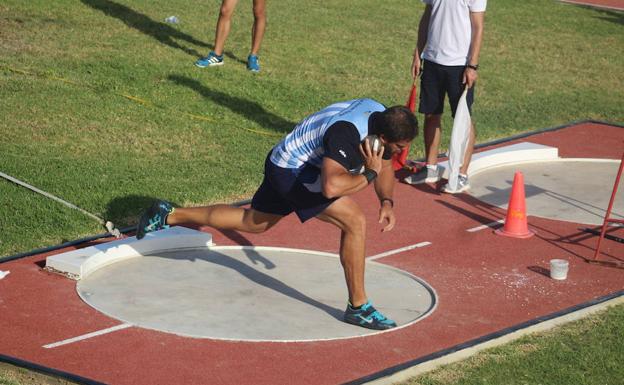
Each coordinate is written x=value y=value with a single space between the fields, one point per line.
x=568 y=190
x=250 y=294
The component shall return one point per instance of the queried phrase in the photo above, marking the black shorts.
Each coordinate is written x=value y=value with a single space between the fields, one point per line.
x=284 y=190
x=437 y=81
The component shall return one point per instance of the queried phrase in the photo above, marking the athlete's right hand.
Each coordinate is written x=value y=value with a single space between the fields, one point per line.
x=372 y=159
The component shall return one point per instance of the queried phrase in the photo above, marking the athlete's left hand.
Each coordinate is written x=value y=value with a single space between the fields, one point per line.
x=386 y=213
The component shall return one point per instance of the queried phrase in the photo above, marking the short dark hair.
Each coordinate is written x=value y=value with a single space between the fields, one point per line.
x=396 y=123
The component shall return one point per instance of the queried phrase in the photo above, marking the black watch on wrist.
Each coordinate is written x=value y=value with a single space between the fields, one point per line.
x=474 y=67
x=369 y=174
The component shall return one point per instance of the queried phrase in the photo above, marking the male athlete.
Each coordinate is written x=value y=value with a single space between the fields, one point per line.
x=312 y=172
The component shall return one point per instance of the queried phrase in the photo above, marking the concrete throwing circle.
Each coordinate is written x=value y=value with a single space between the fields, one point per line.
x=574 y=190
x=249 y=293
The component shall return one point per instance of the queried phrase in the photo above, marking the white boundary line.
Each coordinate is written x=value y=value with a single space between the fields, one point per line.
x=491 y=224
x=88 y=335
x=396 y=251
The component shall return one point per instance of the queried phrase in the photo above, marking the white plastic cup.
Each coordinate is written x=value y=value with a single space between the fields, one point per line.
x=559 y=269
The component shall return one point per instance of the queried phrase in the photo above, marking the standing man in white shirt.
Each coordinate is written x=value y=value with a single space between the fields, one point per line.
x=450 y=33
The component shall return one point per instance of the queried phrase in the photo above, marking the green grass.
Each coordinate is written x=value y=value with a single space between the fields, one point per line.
x=202 y=135
x=586 y=352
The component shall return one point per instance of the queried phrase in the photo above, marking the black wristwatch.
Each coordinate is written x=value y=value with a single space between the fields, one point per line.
x=369 y=174
x=474 y=67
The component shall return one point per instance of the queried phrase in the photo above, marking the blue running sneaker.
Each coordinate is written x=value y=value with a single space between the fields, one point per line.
x=211 y=60
x=252 y=63
x=154 y=218
x=368 y=317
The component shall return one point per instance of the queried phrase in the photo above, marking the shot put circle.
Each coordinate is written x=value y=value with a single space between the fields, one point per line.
x=248 y=293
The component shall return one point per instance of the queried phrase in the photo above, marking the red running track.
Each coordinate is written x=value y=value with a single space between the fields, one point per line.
x=617 y=5
x=485 y=283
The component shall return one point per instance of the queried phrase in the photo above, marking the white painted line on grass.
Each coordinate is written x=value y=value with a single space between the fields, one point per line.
x=396 y=251
x=87 y=336
x=491 y=224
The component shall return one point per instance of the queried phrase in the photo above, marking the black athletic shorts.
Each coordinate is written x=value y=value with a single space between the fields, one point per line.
x=284 y=190
x=436 y=82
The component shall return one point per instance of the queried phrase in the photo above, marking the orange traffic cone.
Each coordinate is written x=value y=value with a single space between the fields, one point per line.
x=411 y=101
x=516 y=221
x=400 y=160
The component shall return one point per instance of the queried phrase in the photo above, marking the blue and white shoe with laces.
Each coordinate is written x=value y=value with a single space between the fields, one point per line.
x=252 y=63
x=154 y=218
x=368 y=317
x=211 y=60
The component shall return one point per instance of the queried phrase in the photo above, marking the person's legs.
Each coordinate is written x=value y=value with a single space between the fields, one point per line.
x=225 y=217
x=432 y=91
x=432 y=106
x=433 y=128
x=223 y=24
x=268 y=206
x=349 y=218
x=432 y=133
x=215 y=57
x=345 y=214
x=162 y=214
x=257 y=32
x=259 y=25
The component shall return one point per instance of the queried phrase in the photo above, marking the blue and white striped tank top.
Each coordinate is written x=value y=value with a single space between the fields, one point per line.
x=304 y=145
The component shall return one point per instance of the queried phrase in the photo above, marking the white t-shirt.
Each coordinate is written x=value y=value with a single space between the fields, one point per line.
x=448 y=38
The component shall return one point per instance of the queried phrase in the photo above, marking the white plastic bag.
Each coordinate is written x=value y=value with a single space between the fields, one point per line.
x=459 y=140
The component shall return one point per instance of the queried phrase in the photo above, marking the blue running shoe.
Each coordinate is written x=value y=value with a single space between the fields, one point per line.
x=368 y=317
x=211 y=60
x=252 y=63
x=154 y=218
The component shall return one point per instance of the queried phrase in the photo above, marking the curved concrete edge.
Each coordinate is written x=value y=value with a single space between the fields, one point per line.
x=427 y=366
x=515 y=153
x=558 y=160
x=78 y=264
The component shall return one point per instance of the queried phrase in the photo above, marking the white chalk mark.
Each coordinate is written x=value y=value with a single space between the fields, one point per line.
x=396 y=251
x=87 y=336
